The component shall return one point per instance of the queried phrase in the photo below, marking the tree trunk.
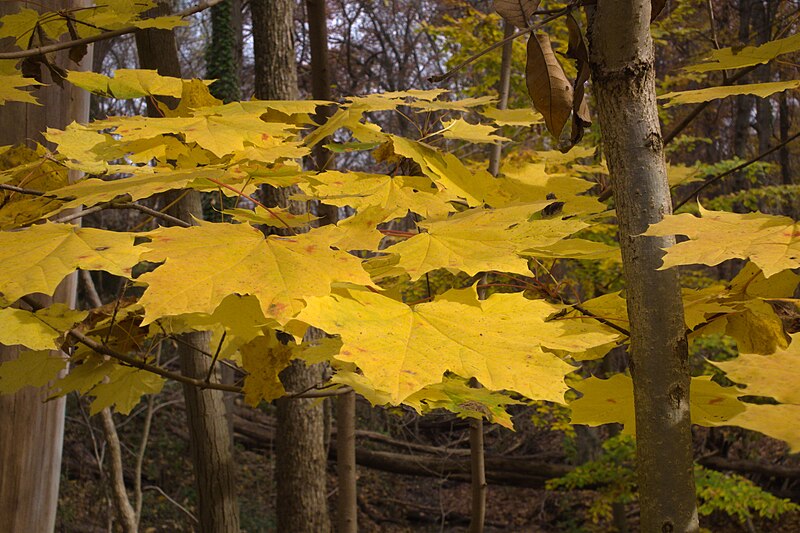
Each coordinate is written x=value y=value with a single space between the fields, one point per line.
x=300 y=470
x=347 y=502
x=273 y=48
x=320 y=78
x=223 y=60
x=783 y=154
x=621 y=55
x=744 y=102
x=210 y=438
x=503 y=89
x=762 y=22
x=32 y=430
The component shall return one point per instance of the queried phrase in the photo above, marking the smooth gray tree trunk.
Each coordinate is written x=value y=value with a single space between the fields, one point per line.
x=621 y=56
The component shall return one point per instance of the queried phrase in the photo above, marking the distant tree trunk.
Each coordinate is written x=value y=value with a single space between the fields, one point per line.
x=744 y=102
x=503 y=90
x=210 y=438
x=301 y=458
x=273 y=48
x=785 y=124
x=621 y=56
x=223 y=59
x=347 y=501
x=32 y=431
x=762 y=22
x=316 y=10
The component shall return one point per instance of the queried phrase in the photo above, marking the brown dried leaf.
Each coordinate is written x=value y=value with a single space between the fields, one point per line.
x=548 y=86
x=578 y=51
x=517 y=12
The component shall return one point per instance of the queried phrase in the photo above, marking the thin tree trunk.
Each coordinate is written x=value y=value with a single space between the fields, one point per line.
x=478 y=478
x=744 y=102
x=621 y=55
x=783 y=154
x=762 y=22
x=122 y=504
x=321 y=80
x=347 y=504
x=503 y=89
x=210 y=438
x=33 y=430
x=300 y=469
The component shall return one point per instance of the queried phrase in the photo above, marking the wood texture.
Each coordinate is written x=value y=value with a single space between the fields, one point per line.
x=32 y=430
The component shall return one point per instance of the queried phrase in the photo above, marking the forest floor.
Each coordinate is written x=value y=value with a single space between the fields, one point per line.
x=388 y=502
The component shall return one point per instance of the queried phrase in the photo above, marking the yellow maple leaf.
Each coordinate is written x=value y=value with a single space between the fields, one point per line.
x=475 y=133
x=604 y=401
x=482 y=239
x=737 y=57
x=36 y=259
x=500 y=341
x=767 y=375
x=10 y=89
x=34 y=369
x=771 y=242
x=40 y=330
x=264 y=358
x=125 y=387
x=762 y=90
x=205 y=263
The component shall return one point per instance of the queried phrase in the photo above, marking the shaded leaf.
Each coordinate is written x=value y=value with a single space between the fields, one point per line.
x=34 y=369
x=41 y=330
x=548 y=86
x=517 y=12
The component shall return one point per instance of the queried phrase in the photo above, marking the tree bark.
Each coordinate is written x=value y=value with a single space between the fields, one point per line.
x=347 y=502
x=621 y=57
x=273 y=48
x=122 y=504
x=32 y=429
x=210 y=437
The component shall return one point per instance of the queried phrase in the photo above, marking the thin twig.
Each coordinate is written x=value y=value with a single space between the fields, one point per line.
x=42 y=50
x=21 y=190
x=173 y=502
x=737 y=168
x=452 y=72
